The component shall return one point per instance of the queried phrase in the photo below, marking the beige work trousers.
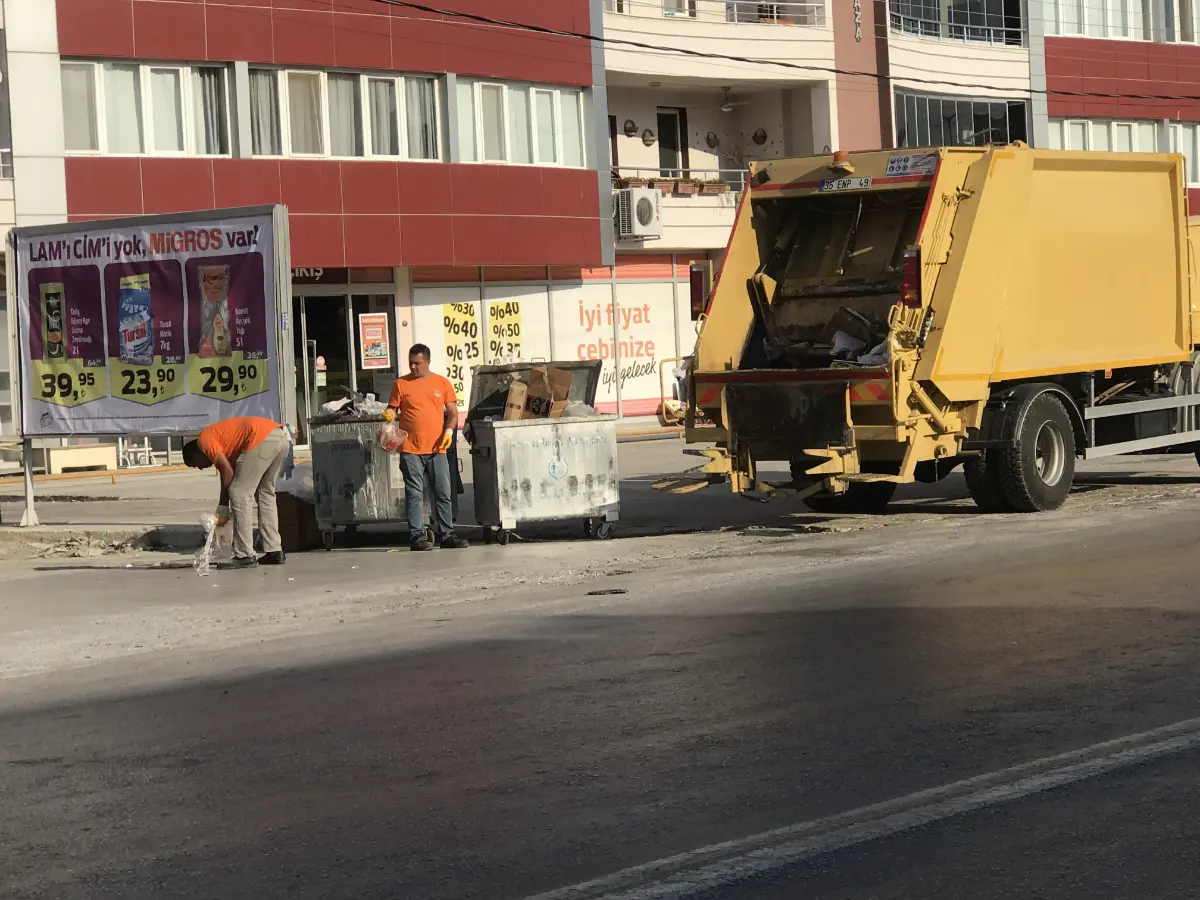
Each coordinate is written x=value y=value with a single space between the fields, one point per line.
x=254 y=474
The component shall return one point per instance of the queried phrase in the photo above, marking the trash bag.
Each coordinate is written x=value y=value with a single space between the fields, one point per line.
x=390 y=436
x=299 y=484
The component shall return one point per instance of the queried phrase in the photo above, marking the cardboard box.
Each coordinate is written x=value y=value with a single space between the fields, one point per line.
x=549 y=389
x=514 y=406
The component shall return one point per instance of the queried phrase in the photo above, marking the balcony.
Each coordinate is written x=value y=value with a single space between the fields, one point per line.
x=738 y=12
x=996 y=22
x=785 y=31
x=698 y=205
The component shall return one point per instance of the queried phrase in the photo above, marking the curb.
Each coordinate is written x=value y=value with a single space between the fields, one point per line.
x=623 y=437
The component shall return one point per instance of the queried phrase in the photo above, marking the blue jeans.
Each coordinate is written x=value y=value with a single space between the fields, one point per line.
x=421 y=470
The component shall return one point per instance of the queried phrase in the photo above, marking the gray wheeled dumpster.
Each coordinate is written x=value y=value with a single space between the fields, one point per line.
x=542 y=470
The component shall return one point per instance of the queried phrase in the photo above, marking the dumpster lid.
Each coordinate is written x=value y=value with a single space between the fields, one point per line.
x=489 y=384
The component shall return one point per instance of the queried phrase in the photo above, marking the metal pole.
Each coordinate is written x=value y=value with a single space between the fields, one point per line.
x=29 y=519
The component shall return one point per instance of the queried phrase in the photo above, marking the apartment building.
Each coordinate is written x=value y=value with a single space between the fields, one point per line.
x=454 y=173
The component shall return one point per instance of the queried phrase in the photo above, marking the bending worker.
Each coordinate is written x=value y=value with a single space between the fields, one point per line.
x=428 y=410
x=248 y=452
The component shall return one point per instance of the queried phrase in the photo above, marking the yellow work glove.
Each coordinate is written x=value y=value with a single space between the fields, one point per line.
x=446 y=441
x=222 y=516
x=389 y=415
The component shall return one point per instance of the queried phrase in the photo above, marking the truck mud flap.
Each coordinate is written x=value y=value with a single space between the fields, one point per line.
x=788 y=415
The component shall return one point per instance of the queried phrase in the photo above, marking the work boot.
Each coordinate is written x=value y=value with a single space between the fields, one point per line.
x=241 y=562
x=272 y=558
x=420 y=543
x=453 y=542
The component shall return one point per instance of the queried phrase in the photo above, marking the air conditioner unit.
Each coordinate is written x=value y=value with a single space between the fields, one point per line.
x=639 y=214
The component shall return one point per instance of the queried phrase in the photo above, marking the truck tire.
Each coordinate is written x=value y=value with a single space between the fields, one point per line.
x=1036 y=470
x=861 y=497
x=983 y=482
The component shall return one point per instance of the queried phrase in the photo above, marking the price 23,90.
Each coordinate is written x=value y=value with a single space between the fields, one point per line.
x=146 y=382
x=227 y=380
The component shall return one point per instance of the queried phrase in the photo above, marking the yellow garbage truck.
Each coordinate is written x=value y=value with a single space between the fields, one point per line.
x=883 y=317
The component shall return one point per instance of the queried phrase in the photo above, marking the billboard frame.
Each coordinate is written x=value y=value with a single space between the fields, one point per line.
x=281 y=333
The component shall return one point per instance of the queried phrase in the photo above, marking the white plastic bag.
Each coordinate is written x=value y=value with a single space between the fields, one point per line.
x=218 y=544
x=299 y=485
x=577 y=410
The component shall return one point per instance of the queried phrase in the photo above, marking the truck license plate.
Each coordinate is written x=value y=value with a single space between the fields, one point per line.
x=862 y=183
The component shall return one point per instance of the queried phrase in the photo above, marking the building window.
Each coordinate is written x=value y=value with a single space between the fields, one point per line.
x=1131 y=136
x=933 y=121
x=520 y=124
x=345 y=114
x=209 y=111
x=79 y=107
x=984 y=21
x=131 y=108
x=306 y=121
x=1130 y=19
x=266 y=137
x=327 y=115
x=166 y=110
x=122 y=108
x=385 y=123
x=685 y=8
x=421 y=115
x=673 y=159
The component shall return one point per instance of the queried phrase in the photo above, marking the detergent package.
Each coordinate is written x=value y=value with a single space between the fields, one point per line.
x=135 y=318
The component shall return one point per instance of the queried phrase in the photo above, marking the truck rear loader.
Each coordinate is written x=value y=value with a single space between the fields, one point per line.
x=884 y=317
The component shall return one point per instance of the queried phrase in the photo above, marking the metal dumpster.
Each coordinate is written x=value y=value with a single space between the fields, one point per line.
x=542 y=470
x=355 y=482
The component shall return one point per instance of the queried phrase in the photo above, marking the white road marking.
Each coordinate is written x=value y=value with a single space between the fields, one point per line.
x=718 y=865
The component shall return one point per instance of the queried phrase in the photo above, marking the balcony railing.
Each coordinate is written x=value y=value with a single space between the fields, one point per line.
x=957 y=27
x=733 y=179
x=742 y=12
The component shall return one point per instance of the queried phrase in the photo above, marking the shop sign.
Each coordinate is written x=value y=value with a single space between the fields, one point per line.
x=148 y=326
x=375 y=350
x=320 y=276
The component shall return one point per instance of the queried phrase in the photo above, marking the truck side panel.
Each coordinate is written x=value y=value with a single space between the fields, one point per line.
x=1061 y=262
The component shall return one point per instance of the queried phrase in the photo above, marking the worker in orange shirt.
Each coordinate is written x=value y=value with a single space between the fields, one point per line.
x=426 y=408
x=248 y=452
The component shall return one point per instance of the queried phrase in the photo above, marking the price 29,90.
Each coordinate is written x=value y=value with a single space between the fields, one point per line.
x=228 y=380
x=64 y=386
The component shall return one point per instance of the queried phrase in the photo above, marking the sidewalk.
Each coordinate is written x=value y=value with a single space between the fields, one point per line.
x=162 y=508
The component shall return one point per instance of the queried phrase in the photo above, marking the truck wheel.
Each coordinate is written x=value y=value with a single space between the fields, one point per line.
x=862 y=497
x=983 y=481
x=1037 y=469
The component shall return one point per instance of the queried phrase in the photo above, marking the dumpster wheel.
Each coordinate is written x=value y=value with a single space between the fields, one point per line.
x=327 y=540
x=601 y=529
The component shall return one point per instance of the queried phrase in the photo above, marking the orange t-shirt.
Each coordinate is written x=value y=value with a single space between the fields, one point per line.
x=235 y=436
x=422 y=405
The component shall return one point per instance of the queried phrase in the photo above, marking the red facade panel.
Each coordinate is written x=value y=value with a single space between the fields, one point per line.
x=356 y=33
x=1093 y=78
x=365 y=213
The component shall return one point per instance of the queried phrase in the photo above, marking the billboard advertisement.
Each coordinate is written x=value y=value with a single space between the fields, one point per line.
x=157 y=325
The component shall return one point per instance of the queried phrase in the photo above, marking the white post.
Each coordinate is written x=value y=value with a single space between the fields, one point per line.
x=29 y=519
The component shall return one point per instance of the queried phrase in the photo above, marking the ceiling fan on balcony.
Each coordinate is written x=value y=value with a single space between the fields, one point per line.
x=728 y=105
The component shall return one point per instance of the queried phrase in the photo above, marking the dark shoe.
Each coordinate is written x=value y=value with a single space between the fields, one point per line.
x=241 y=562
x=272 y=558
x=453 y=542
x=421 y=544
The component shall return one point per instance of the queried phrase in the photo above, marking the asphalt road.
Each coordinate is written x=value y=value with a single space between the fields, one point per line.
x=540 y=750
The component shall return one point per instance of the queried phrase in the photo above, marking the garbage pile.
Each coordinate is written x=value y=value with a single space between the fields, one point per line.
x=844 y=341
x=354 y=407
x=539 y=392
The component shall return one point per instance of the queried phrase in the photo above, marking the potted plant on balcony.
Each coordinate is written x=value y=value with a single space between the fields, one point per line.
x=666 y=185
x=716 y=186
x=633 y=181
x=688 y=187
